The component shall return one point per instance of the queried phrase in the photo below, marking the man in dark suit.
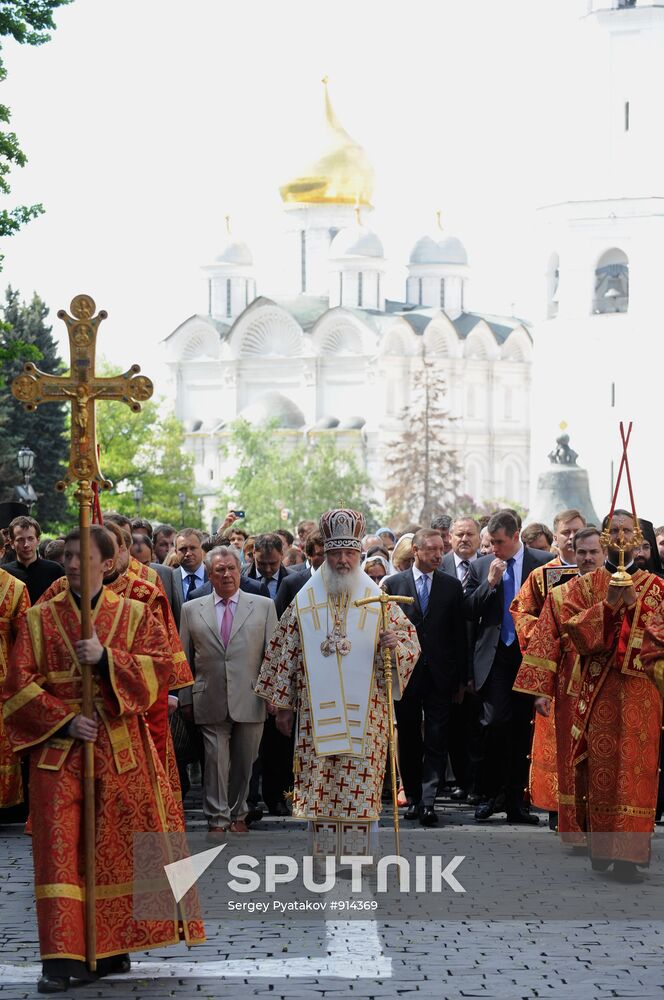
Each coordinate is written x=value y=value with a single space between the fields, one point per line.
x=464 y=739
x=295 y=581
x=506 y=715
x=275 y=756
x=437 y=614
x=268 y=563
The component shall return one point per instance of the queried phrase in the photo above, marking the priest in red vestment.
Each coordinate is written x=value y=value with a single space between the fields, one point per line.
x=618 y=714
x=42 y=715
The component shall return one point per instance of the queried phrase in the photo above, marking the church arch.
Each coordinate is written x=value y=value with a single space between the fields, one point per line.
x=611 y=293
x=474 y=474
x=267 y=331
x=480 y=344
x=518 y=347
x=340 y=333
x=441 y=338
x=512 y=478
x=200 y=342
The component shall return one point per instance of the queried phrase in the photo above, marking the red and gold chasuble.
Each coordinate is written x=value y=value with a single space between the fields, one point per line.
x=14 y=602
x=144 y=572
x=617 y=720
x=42 y=693
x=543 y=773
x=137 y=589
x=551 y=668
x=339 y=794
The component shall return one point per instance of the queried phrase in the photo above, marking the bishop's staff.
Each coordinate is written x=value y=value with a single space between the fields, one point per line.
x=385 y=600
x=82 y=388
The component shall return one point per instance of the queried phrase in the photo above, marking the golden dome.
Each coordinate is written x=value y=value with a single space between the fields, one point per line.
x=342 y=175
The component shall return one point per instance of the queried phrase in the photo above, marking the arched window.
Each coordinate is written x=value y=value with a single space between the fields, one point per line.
x=442 y=293
x=474 y=479
x=552 y=283
x=419 y=291
x=360 y=288
x=511 y=481
x=228 y=296
x=612 y=282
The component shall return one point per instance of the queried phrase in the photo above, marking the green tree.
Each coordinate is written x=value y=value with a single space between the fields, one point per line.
x=424 y=468
x=44 y=431
x=145 y=448
x=28 y=22
x=306 y=479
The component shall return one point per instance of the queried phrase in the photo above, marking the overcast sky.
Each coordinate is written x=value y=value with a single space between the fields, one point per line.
x=147 y=121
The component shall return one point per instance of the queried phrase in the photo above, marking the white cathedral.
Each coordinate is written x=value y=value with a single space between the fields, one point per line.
x=333 y=355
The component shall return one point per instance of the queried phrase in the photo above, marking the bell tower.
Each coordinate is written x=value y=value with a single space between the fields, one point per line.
x=601 y=264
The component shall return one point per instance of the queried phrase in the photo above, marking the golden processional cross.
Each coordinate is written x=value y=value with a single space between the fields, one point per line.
x=82 y=387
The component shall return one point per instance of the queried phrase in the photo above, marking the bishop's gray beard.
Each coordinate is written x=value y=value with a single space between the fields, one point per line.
x=337 y=584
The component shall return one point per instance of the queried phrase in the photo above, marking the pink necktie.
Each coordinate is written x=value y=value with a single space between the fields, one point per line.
x=226 y=622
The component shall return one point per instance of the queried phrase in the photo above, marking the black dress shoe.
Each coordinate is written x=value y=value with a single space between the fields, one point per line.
x=53 y=984
x=625 y=872
x=459 y=795
x=600 y=864
x=413 y=811
x=254 y=815
x=428 y=816
x=522 y=817
x=484 y=810
x=473 y=799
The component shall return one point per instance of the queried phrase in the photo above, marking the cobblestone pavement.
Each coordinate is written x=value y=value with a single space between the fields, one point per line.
x=388 y=956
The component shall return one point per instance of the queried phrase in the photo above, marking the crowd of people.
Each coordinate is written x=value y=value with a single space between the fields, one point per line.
x=527 y=674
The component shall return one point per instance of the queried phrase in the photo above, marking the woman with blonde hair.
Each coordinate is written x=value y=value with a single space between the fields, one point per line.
x=402 y=553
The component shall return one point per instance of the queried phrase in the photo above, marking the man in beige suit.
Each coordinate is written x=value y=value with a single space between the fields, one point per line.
x=224 y=635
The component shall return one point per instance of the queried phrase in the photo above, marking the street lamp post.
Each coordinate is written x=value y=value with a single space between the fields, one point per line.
x=138 y=498
x=182 y=499
x=26 y=463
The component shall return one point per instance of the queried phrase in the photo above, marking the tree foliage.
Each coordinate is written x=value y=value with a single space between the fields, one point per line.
x=28 y=22
x=424 y=468
x=145 y=448
x=26 y=334
x=273 y=473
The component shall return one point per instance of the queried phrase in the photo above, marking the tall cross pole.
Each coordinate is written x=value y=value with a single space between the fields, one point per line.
x=385 y=600
x=82 y=387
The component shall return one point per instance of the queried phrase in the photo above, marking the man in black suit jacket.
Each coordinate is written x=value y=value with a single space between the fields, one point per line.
x=268 y=563
x=506 y=715
x=465 y=744
x=437 y=614
x=295 y=581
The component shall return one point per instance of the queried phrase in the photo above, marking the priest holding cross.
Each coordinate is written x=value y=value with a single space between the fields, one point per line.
x=617 y=716
x=325 y=663
x=85 y=668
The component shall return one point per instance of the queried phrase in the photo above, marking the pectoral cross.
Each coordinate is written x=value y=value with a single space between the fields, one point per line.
x=83 y=387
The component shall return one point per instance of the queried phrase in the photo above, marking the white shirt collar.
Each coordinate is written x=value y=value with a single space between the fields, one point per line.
x=417 y=573
x=458 y=559
x=198 y=573
x=231 y=600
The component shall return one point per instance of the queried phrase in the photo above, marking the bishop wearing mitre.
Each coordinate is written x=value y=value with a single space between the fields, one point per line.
x=324 y=667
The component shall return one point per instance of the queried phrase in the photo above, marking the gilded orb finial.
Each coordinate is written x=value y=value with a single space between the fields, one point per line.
x=563 y=425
